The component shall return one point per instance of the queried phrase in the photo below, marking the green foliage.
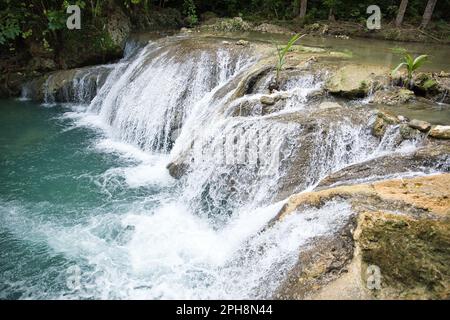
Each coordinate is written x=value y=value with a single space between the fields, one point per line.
x=56 y=19
x=411 y=64
x=189 y=11
x=429 y=84
x=281 y=55
x=9 y=28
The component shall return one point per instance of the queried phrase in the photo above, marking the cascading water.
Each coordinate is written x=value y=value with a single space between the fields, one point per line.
x=204 y=235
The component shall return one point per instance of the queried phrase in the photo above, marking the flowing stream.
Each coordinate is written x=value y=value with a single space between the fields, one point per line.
x=89 y=210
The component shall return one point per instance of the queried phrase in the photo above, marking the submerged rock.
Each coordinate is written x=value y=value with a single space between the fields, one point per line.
x=177 y=169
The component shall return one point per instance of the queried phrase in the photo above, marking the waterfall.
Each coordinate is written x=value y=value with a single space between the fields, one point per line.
x=204 y=235
x=148 y=106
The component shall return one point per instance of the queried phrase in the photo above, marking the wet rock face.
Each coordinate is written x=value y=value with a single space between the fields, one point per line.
x=402 y=228
x=73 y=85
x=330 y=138
x=323 y=262
x=425 y=159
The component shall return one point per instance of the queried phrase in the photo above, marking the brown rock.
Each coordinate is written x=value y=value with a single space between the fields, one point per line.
x=420 y=125
x=440 y=132
x=402 y=229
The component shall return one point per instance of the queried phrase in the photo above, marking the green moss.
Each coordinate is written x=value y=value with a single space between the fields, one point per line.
x=413 y=255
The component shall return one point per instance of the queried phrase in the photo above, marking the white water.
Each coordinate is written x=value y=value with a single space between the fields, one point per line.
x=200 y=237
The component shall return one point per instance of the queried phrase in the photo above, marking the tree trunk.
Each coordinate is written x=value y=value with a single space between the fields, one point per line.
x=331 y=15
x=303 y=4
x=401 y=13
x=428 y=13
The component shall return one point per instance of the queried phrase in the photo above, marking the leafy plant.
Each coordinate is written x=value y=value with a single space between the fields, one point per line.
x=411 y=64
x=190 y=11
x=10 y=28
x=281 y=55
x=56 y=19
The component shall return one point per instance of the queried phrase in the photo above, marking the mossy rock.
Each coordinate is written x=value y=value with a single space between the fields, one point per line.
x=412 y=254
x=354 y=81
x=382 y=121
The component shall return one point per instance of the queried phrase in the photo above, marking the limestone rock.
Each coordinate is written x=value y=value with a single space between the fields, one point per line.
x=354 y=81
x=242 y=43
x=440 y=132
x=271 y=28
x=410 y=247
x=118 y=27
x=420 y=125
x=382 y=121
x=267 y=100
x=393 y=96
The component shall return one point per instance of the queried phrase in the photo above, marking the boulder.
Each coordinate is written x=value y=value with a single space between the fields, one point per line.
x=382 y=121
x=401 y=229
x=440 y=132
x=242 y=42
x=393 y=96
x=355 y=81
x=267 y=100
x=420 y=125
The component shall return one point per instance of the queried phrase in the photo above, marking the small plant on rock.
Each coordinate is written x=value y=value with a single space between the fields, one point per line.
x=281 y=55
x=411 y=65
